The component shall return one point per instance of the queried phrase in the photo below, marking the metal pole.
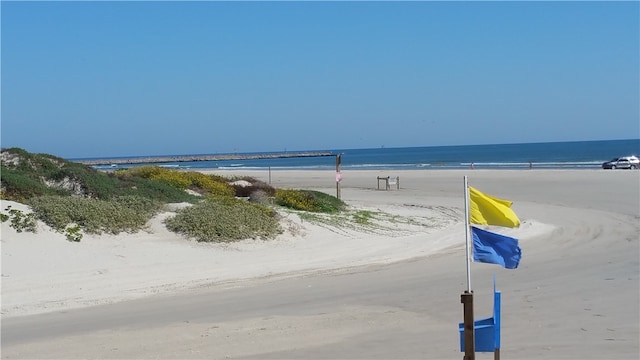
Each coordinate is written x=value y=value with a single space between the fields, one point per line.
x=338 y=161
x=467 y=296
x=466 y=233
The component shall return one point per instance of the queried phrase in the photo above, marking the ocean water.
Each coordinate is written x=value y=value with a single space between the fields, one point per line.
x=554 y=155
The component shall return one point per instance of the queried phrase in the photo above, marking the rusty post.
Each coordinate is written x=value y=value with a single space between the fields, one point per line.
x=469 y=342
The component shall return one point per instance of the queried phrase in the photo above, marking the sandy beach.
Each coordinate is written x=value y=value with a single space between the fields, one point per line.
x=389 y=293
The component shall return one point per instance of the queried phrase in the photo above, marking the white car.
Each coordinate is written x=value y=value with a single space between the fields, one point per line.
x=625 y=162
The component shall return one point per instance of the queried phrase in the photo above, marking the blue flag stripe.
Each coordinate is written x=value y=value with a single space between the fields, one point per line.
x=494 y=248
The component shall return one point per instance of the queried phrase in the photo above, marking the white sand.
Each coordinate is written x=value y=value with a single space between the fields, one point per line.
x=570 y=215
x=44 y=272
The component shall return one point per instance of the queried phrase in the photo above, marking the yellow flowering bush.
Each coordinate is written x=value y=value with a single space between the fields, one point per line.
x=294 y=199
x=172 y=178
x=212 y=185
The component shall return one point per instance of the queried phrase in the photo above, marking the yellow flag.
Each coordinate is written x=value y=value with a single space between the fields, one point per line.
x=488 y=210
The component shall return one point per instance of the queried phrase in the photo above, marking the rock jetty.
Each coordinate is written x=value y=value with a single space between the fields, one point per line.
x=189 y=158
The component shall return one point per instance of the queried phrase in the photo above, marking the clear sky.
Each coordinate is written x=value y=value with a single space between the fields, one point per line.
x=101 y=79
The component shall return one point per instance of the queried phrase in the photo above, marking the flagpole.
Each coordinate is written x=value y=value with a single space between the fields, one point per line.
x=466 y=232
x=467 y=297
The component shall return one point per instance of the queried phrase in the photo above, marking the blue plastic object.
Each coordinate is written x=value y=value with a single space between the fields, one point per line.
x=487 y=331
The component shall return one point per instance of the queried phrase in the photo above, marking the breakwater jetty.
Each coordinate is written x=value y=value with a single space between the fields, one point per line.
x=190 y=158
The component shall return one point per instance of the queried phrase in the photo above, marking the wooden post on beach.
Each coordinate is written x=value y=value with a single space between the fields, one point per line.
x=338 y=174
x=469 y=341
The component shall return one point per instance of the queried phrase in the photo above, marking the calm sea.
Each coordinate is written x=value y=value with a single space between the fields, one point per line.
x=555 y=155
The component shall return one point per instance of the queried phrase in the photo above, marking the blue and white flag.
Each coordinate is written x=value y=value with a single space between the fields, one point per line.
x=494 y=248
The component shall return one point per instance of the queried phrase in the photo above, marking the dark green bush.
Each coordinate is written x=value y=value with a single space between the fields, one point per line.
x=152 y=189
x=20 y=186
x=309 y=200
x=28 y=178
x=256 y=185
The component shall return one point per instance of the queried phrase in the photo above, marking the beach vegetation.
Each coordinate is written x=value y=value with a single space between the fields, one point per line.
x=211 y=185
x=259 y=196
x=225 y=220
x=167 y=176
x=151 y=189
x=365 y=221
x=19 y=220
x=363 y=216
x=25 y=175
x=247 y=187
x=18 y=186
x=73 y=232
x=75 y=199
x=174 y=179
x=95 y=216
x=182 y=180
x=308 y=200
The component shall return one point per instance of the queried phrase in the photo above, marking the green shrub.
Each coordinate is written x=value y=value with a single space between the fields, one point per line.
x=225 y=220
x=309 y=200
x=152 y=189
x=126 y=213
x=43 y=164
x=19 y=186
x=27 y=176
x=20 y=221
x=88 y=181
x=73 y=233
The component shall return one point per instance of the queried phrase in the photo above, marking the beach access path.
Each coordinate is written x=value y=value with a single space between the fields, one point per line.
x=326 y=294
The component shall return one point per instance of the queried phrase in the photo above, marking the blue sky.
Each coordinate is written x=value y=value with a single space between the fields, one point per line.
x=101 y=79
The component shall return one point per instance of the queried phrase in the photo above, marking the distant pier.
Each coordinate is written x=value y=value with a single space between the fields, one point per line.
x=190 y=158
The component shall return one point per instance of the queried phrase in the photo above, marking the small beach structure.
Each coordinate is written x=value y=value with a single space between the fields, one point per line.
x=389 y=181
